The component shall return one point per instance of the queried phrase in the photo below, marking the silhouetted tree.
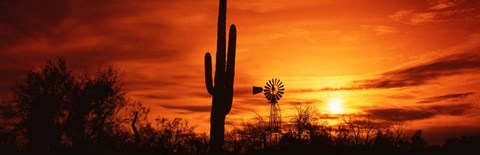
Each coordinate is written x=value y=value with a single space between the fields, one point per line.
x=398 y=134
x=301 y=121
x=250 y=136
x=97 y=106
x=134 y=128
x=360 y=129
x=382 y=143
x=9 y=135
x=60 y=109
x=417 y=143
x=342 y=140
x=462 y=145
x=172 y=137
x=41 y=99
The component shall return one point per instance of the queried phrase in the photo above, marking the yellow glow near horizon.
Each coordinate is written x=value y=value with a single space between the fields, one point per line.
x=335 y=106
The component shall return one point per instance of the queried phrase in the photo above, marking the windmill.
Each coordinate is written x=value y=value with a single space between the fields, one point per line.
x=273 y=91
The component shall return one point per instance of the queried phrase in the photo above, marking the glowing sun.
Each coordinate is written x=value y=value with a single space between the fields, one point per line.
x=335 y=106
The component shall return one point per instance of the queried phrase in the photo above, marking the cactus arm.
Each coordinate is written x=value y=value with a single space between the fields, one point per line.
x=230 y=72
x=208 y=73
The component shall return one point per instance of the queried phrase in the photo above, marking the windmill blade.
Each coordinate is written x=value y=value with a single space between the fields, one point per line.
x=266 y=89
x=269 y=98
x=277 y=97
x=270 y=95
x=267 y=95
x=256 y=90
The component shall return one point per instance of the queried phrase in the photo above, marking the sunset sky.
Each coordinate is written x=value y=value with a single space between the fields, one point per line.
x=416 y=61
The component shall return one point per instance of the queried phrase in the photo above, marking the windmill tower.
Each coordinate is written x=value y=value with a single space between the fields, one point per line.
x=273 y=91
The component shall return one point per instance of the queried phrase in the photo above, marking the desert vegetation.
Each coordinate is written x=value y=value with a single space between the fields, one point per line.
x=54 y=111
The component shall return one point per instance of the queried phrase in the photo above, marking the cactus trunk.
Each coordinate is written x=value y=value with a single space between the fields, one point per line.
x=222 y=87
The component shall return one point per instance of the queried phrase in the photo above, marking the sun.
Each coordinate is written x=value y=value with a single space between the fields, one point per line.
x=335 y=106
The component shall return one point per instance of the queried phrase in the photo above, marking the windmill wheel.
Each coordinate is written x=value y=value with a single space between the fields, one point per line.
x=274 y=90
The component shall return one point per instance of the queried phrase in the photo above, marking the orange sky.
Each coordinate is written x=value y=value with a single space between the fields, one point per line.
x=409 y=60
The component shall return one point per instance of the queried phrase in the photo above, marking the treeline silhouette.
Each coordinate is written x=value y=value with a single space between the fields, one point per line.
x=57 y=111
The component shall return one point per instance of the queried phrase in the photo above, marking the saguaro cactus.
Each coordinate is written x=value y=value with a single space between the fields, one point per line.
x=222 y=89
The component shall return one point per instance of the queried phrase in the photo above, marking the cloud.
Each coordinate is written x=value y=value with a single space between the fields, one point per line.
x=26 y=19
x=420 y=74
x=379 y=29
x=268 y=6
x=251 y=101
x=440 y=11
x=412 y=18
x=424 y=73
x=188 y=108
x=94 y=32
x=314 y=90
x=143 y=39
x=447 y=97
x=401 y=96
x=418 y=113
x=155 y=96
x=444 y=4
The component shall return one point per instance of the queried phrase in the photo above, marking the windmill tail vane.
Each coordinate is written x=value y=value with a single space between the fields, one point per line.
x=257 y=90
